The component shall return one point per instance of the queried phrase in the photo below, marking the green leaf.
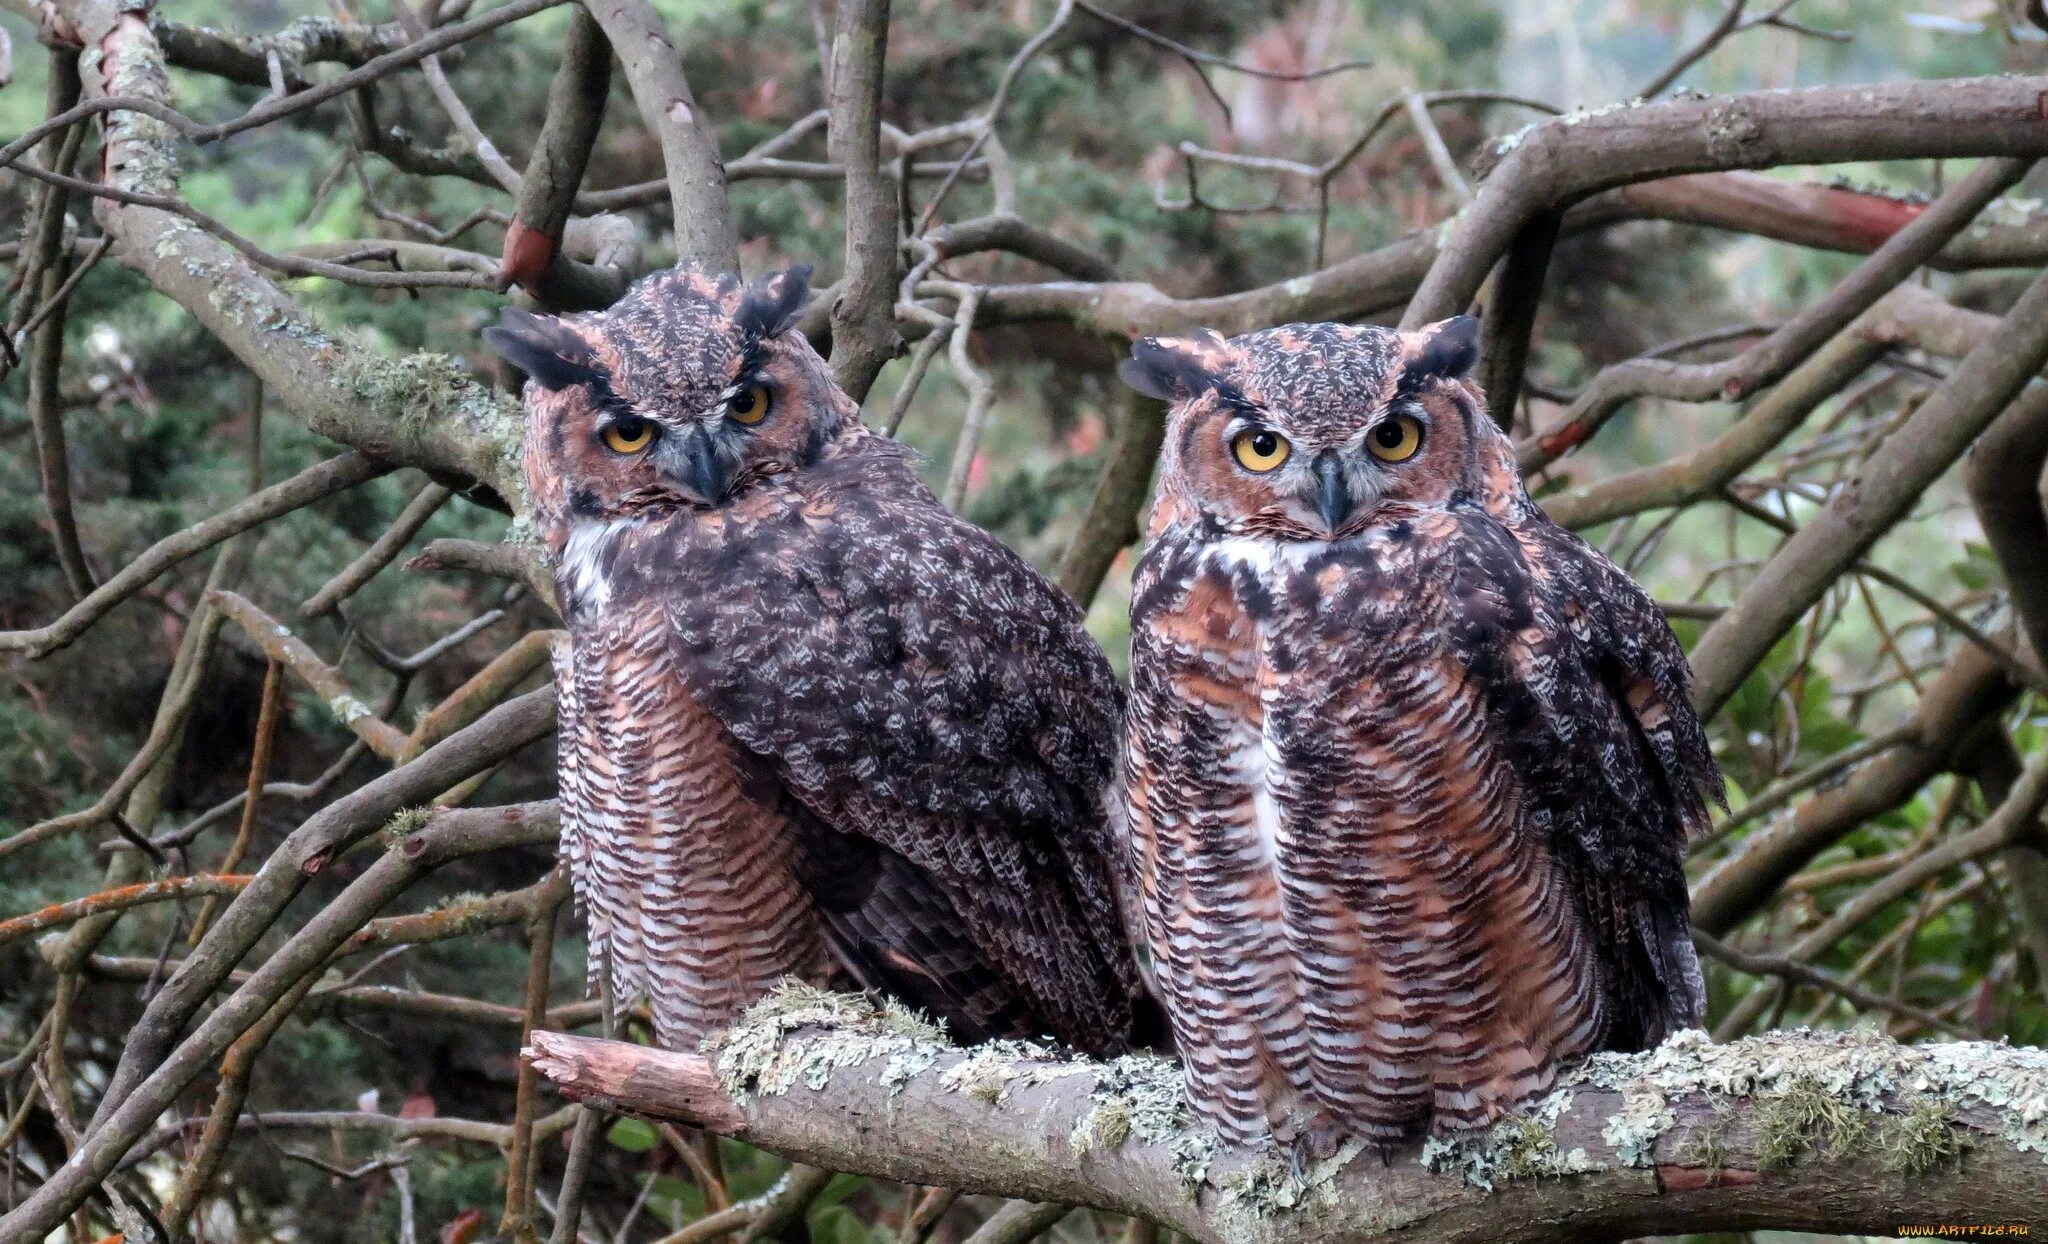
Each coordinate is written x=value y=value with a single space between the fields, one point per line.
x=632 y=1135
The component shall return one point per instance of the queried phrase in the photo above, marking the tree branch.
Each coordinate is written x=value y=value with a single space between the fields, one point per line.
x=547 y=194
x=1810 y=1131
x=1911 y=458
x=1553 y=164
x=863 y=318
x=1768 y=360
x=704 y=225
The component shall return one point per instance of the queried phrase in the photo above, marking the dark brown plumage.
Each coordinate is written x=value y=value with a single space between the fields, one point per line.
x=813 y=721
x=1411 y=768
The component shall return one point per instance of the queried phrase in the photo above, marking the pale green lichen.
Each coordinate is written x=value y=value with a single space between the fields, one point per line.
x=347 y=709
x=404 y=824
x=1831 y=1094
x=1632 y=1132
x=1788 y=1096
x=424 y=392
x=800 y=1034
x=1138 y=1095
x=1806 y=1119
x=1926 y=1137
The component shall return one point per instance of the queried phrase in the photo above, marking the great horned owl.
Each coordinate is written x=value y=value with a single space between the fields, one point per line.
x=812 y=722
x=1411 y=768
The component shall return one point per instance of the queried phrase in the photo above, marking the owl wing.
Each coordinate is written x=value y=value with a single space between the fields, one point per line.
x=1594 y=694
x=920 y=685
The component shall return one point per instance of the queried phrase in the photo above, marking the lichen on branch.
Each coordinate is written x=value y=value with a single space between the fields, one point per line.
x=1812 y=1130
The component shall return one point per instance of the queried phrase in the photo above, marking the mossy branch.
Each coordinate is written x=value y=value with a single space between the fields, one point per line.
x=1811 y=1131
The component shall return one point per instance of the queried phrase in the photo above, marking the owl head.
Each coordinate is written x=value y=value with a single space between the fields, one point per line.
x=684 y=393
x=1316 y=431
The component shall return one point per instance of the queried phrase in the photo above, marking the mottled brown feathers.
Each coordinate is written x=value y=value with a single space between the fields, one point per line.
x=1410 y=773
x=813 y=722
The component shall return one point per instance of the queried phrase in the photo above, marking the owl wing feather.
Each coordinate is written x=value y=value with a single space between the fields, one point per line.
x=917 y=683
x=1593 y=693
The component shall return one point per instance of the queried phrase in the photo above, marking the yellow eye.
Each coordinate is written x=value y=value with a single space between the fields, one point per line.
x=629 y=436
x=1260 y=450
x=750 y=407
x=1396 y=440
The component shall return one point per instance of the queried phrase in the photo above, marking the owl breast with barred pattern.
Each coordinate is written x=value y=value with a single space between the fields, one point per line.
x=1410 y=768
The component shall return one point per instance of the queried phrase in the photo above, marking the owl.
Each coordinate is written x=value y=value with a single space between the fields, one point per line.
x=1410 y=767
x=812 y=723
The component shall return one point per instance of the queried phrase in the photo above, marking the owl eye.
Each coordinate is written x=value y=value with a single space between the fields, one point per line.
x=750 y=407
x=1396 y=440
x=1260 y=450
x=629 y=435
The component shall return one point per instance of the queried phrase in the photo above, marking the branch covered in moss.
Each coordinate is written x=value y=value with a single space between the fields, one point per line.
x=423 y=409
x=1802 y=1131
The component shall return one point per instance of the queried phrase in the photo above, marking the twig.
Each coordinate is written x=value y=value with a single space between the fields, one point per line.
x=280 y=645
x=423 y=506
x=139 y=895
x=980 y=394
x=517 y=1222
x=267 y=714
x=1798 y=973
x=458 y=112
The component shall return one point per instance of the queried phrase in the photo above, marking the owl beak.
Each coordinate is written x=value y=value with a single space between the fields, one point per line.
x=1333 y=494
x=691 y=461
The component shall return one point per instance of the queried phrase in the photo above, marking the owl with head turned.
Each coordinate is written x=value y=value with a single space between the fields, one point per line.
x=812 y=723
x=1410 y=768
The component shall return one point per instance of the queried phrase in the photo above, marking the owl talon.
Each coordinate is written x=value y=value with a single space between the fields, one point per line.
x=1315 y=1145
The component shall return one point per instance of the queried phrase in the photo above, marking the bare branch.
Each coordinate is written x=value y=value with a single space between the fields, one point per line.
x=704 y=225
x=1980 y=387
x=423 y=506
x=1963 y=700
x=123 y=899
x=128 y=1116
x=1555 y=163
x=423 y=408
x=1110 y=523
x=863 y=318
x=308 y=486
x=1768 y=360
x=279 y=644
x=533 y=243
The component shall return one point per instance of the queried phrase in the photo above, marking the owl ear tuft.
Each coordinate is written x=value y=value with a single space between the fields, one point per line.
x=1174 y=369
x=544 y=348
x=1448 y=348
x=773 y=304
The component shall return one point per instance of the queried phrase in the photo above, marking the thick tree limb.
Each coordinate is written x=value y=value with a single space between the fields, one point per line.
x=704 y=225
x=863 y=318
x=1553 y=164
x=547 y=193
x=1823 y=216
x=423 y=410
x=1811 y=1131
x=1110 y=524
x=1770 y=359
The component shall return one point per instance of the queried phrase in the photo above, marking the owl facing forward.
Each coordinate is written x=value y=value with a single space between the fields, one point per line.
x=813 y=724
x=1411 y=768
